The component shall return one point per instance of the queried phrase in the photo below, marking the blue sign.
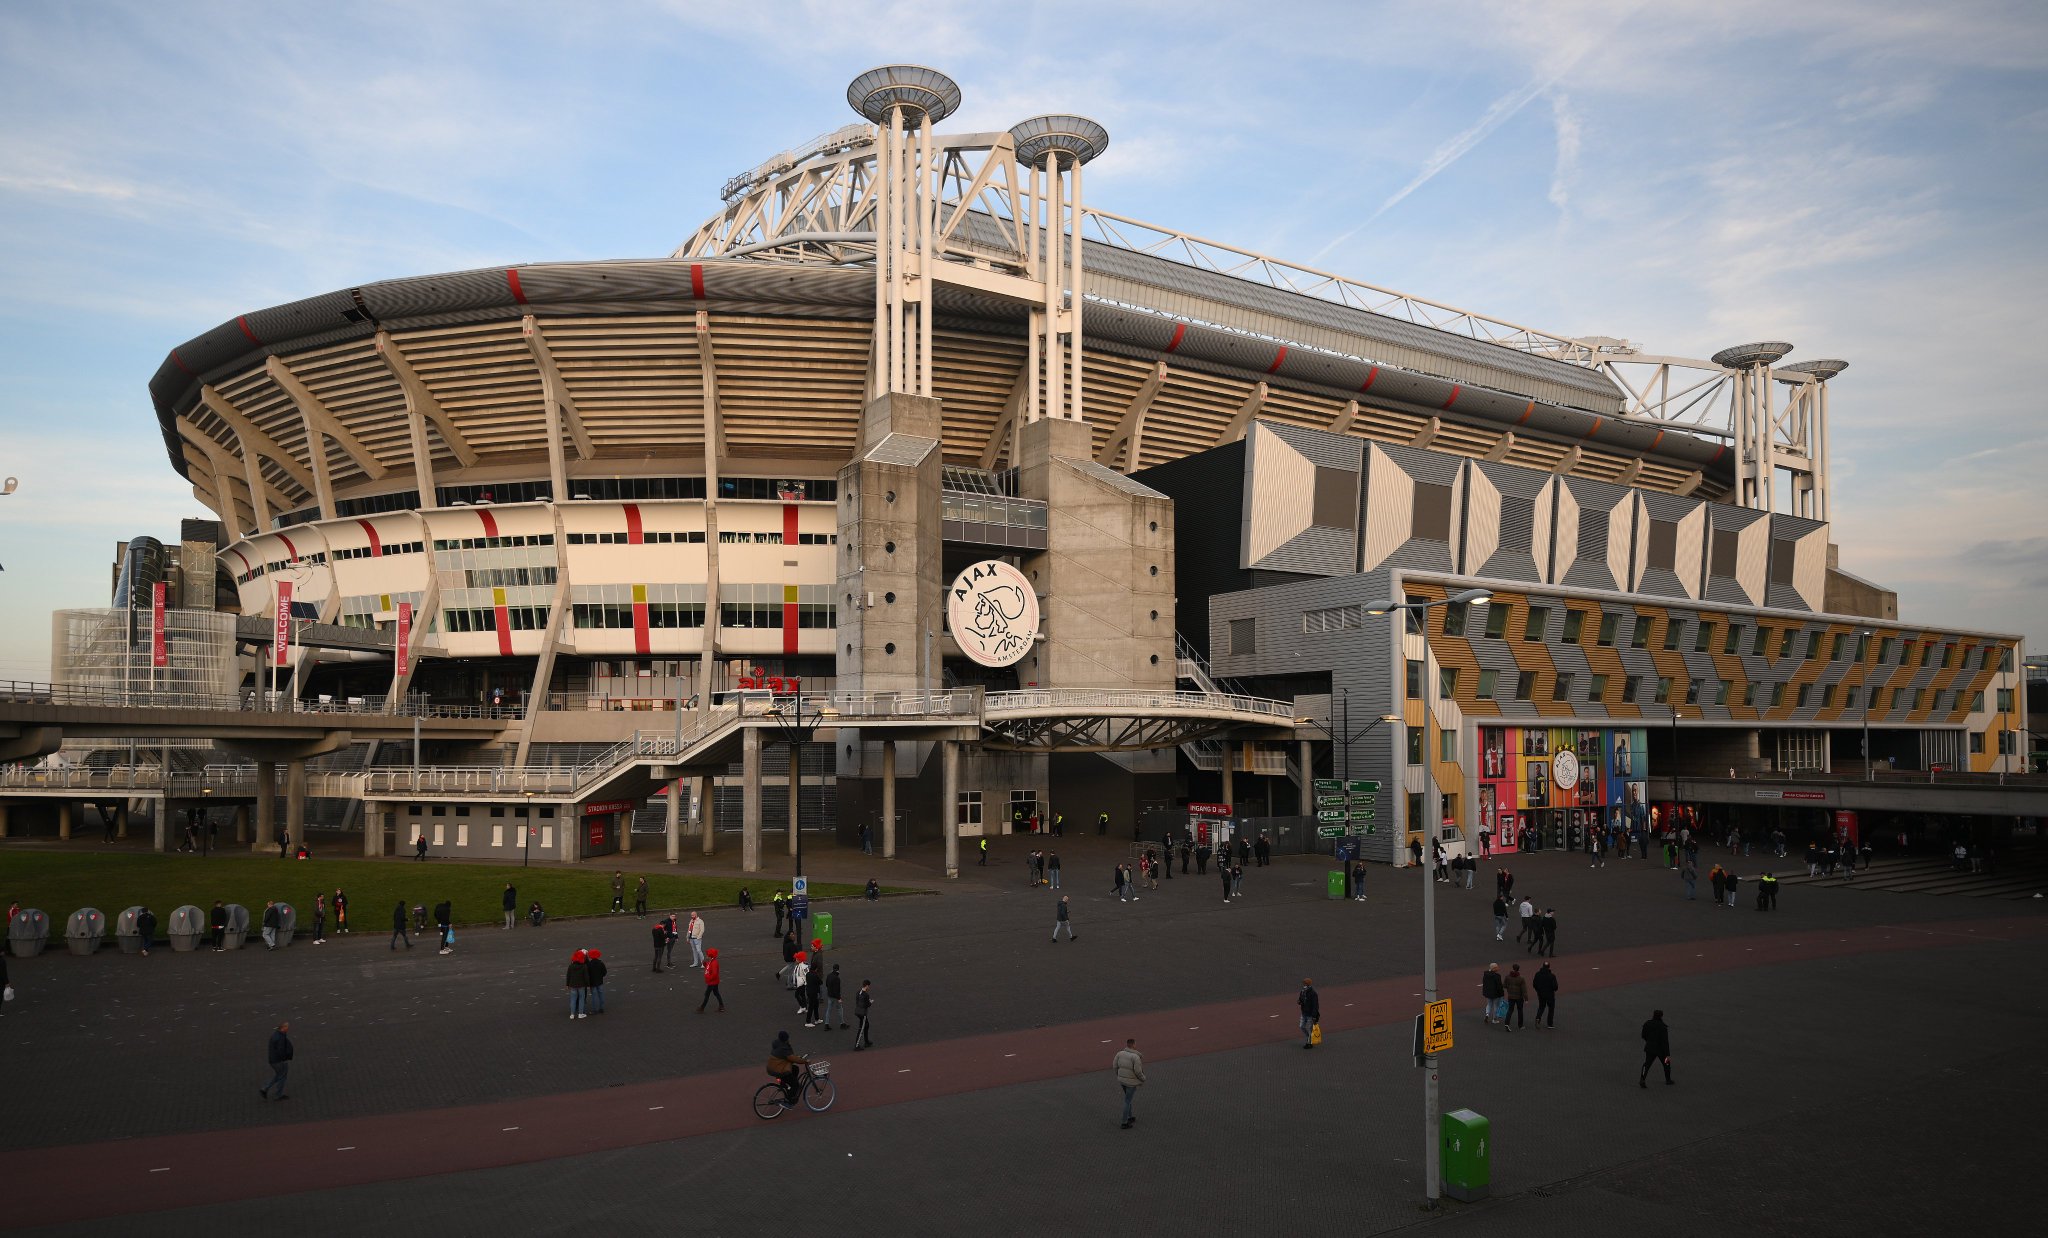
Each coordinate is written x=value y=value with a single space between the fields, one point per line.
x=799 y=906
x=801 y=886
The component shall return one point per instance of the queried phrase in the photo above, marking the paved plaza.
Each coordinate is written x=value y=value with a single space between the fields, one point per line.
x=1846 y=1065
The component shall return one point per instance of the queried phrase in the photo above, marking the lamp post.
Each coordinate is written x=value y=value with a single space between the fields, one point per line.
x=797 y=732
x=1869 y=774
x=525 y=833
x=205 y=820
x=1431 y=1141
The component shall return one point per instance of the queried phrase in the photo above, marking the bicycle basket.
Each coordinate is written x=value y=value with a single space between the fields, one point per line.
x=821 y=1069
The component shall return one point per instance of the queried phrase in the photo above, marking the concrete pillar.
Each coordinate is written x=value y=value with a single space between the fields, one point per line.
x=673 y=827
x=160 y=833
x=3 y=820
x=750 y=800
x=1307 y=757
x=625 y=832
x=266 y=805
x=373 y=829
x=241 y=823
x=888 y=799
x=1229 y=782
x=707 y=811
x=795 y=786
x=949 y=804
x=294 y=803
x=64 y=818
x=121 y=819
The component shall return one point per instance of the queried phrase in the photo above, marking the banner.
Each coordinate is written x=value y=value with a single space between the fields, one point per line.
x=404 y=637
x=159 y=653
x=283 y=635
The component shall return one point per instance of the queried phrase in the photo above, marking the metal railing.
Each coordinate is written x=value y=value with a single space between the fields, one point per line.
x=28 y=692
x=123 y=777
x=1120 y=700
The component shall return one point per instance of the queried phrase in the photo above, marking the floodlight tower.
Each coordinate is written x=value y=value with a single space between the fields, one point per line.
x=1052 y=149
x=1756 y=438
x=904 y=101
x=1808 y=414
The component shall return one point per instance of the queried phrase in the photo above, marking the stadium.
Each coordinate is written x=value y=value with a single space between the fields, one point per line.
x=769 y=469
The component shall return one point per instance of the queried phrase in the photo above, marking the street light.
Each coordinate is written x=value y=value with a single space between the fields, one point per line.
x=205 y=818
x=1431 y=1142
x=525 y=833
x=797 y=733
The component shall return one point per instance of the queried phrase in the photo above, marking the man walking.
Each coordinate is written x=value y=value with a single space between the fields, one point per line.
x=781 y=910
x=618 y=891
x=1130 y=1075
x=1766 y=892
x=863 y=1002
x=711 y=982
x=1515 y=988
x=1101 y=824
x=1311 y=1007
x=1500 y=918
x=218 y=921
x=832 y=1001
x=1526 y=915
x=1545 y=984
x=398 y=929
x=1690 y=874
x=640 y=897
x=511 y=904
x=983 y=848
x=270 y=923
x=1733 y=881
x=1719 y=880
x=1061 y=920
x=280 y=1057
x=696 y=934
x=1656 y=1049
x=1052 y=868
x=1546 y=931
x=444 y=919
x=1492 y=990
x=660 y=941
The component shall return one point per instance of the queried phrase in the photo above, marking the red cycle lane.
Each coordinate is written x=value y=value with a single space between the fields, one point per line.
x=92 y=1181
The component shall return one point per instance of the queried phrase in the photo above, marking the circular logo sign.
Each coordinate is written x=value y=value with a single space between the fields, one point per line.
x=1564 y=768
x=993 y=612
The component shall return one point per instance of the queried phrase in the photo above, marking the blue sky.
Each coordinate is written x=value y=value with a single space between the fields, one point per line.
x=1861 y=177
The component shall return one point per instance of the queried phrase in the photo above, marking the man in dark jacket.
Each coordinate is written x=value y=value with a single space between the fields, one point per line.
x=398 y=929
x=594 y=967
x=1656 y=1048
x=219 y=922
x=444 y=919
x=511 y=904
x=1546 y=931
x=145 y=928
x=270 y=922
x=1311 y=1008
x=1545 y=984
x=1492 y=991
x=863 y=1002
x=280 y=1056
x=832 y=1001
x=660 y=941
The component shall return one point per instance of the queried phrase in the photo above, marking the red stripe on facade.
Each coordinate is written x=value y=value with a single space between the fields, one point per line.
x=490 y=523
x=1717 y=455
x=1597 y=423
x=504 y=621
x=1657 y=440
x=376 y=546
x=789 y=530
x=245 y=561
x=289 y=549
x=789 y=628
x=1453 y=398
x=641 y=642
x=1371 y=376
x=512 y=282
x=696 y=281
x=1180 y=330
x=242 y=321
x=179 y=361
x=634 y=534
x=1527 y=413
x=1277 y=359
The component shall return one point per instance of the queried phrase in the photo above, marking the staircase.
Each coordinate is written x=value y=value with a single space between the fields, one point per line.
x=1191 y=667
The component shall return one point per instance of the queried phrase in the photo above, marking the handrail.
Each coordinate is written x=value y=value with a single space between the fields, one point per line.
x=1128 y=698
x=33 y=692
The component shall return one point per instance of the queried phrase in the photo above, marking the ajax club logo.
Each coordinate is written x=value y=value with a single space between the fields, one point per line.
x=993 y=613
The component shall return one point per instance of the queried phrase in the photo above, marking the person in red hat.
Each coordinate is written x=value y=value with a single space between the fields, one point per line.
x=814 y=984
x=578 y=981
x=597 y=969
x=800 y=977
x=711 y=981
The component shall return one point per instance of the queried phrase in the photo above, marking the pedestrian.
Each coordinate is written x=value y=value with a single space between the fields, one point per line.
x=6 y=989
x=1656 y=1048
x=1237 y=880
x=781 y=911
x=270 y=924
x=1123 y=884
x=670 y=931
x=1500 y=919
x=803 y=988
x=640 y=897
x=1052 y=867
x=1130 y=1075
x=863 y=1002
x=874 y=888
x=279 y=1055
x=696 y=940
x=711 y=982
x=832 y=1001
x=787 y=972
x=1358 y=878
x=1202 y=860
x=1062 y=919
x=1151 y=871
x=536 y=915
x=746 y=899
x=1515 y=987
x=1415 y=852
x=419 y=847
x=1545 y=984
x=1471 y=869
x=1767 y=892
x=1733 y=881
x=867 y=839
x=511 y=903
x=1506 y=878
x=398 y=930
x=660 y=934
x=1493 y=991
x=1719 y=880
x=1311 y=1007
x=444 y=920
x=1263 y=849
x=596 y=969
x=1547 y=930
x=618 y=891
x=217 y=920
x=340 y=912
x=1689 y=873
x=983 y=861
x=145 y=928
x=578 y=982
x=1223 y=871
x=1525 y=918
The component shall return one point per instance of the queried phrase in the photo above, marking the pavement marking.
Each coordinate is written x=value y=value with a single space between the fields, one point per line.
x=166 y=1169
x=1009 y=1055
x=508 y=1128
x=906 y=1069
x=652 y=1108
x=349 y=1148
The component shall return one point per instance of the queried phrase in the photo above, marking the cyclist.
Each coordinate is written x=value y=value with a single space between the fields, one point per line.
x=786 y=1064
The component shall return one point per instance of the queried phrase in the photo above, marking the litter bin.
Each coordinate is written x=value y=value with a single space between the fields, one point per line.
x=188 y=926
x=84 y=931
x=27 y=933
x=1467 y=1155
x=238 y=926
x=287 y=923
x=126 y=935
x=821 y=928
x=1336 y=883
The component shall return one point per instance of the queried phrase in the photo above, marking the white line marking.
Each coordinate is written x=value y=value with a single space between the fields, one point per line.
x=652 y=1108
x=349 y=1148
x=508 y=1128
x=166 y=1169
x=904 y=1071
x=1195 y=1029
x=1009 y=1055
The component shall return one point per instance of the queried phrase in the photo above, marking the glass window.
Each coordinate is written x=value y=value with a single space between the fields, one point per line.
x=1777 y=695
x=1760 y=643
x=1574 y=623
x=1631 y=686
x=1703 y=639
x=1455 y=615
x=1486 y=681
x=1919 y=697
x=1525 y=685
x=1827 y=696
x=1414 y=679
x=1854 y=694
x=1948 y=656
x=2008 y=743
x=1721 y=692
x=1414 y=821
x=1734 y=642
x=1561 y=688
x=1835 y=649
x=1640 y=637
x=2004 y=700
x=1886 y=648
x=1692 y=691
x=1812 y=645
x=1977 y=743
x=1447 y=745
x=1447 y=682
x=1596 y=689
x=1414 y=745
x=1609 y=623
x=1862 y=647
x=1805 y=694
x=1414 y=613
x=1674 y=632
x=1497 y=620
x=1663 y=689
x=1748 y=695
x=968 y=810
x=1539 y=618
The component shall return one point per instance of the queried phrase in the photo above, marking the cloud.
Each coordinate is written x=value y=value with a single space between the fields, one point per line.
x=1567 y=125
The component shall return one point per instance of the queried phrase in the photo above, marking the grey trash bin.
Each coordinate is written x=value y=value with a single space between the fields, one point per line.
x=126 y=935
x=287 y=923
x=188 y=927
x=238 y=927
x=27 y=933
x=85 y=930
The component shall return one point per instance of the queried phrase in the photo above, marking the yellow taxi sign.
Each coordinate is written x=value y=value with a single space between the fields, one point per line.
x=1436 y=1027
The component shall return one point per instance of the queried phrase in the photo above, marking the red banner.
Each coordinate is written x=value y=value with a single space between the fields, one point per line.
x=283 y=635
x=1208 y=810
x=404 y=636
x=1847 y=825
x=159 y=652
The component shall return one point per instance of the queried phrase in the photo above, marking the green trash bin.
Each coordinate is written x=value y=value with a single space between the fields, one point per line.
x=1337 y=883
x=821 y=928
x=1467 y=1155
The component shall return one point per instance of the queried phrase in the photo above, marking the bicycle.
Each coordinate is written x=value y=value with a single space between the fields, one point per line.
x=813 y=1083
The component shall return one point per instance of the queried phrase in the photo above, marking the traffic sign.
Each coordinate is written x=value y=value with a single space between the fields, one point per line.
x=1331 y=801
x=1436 y=1027
x=1360 y=831
x=1362 y=786
x=800 y=887
x=1328 y=786
x=799 y=906
x=1330 y=814
x=1332 y=831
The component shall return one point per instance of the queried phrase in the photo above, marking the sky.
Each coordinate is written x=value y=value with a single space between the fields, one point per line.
x=1863 y=178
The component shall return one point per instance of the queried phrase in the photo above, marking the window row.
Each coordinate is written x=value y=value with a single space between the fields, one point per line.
x=653 y=537
x=1756 y=640
x=387 y=549
x=494 y=543
x=659 y=615
x=485 y=619
x=1697 y=691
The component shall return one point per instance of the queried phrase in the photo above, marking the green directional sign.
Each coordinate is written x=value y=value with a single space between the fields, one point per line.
x=1330 y=814
x=1362 y=786
x=1360 y=831
x=1328 y=786
x=1332 y=801
x=1362 y=814
x=1331 y=831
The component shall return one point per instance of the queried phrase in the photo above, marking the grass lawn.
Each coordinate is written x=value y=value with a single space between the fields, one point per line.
x=61 y=884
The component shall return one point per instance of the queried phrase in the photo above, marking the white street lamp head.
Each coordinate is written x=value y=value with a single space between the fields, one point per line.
x=1380 y=607
x=1472 y=597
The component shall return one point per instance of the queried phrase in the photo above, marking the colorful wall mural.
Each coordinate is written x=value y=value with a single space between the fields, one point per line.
x=1560 y=780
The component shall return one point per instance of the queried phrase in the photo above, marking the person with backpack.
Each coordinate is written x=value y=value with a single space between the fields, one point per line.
x=1311 y=1007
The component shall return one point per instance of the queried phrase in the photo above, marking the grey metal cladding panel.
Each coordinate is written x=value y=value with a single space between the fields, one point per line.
x=1113 y=479
x=1497 y=656
x=1724 y=516
x=1784 y=597
x=1315 y=550
x=1320 y=447
x=427 y=294
x=1571 y=660
x=1422 y=554
x=1516 y=558
x=300 y=323
x=1590 y=493
x=1724 y=589
x=1673 y=507
x=1511 y=564
x=1512 y=480
x=1434 y=467
x=1662 y=582
x=903 y=450
x=1791 y=528
x=1589 y=564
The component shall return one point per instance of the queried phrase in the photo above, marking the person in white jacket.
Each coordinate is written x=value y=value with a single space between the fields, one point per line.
x=1130 y=1075
x=697 y=939
x=799 y=979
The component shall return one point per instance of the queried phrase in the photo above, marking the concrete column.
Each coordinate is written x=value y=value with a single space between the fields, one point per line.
x=1229 y=781
x=795 y=786
x=949 y=804
x=121 y=819
x=707 y=812
x=674 y=824
x=266 y=804
x=888 y=799
x=1307 y=756
x=625 y=832
x=294 y=803
x=241 y=823
x=373 y=829
x=750 y=800
x=64 y=818
x=160 y=833
x=3 y=820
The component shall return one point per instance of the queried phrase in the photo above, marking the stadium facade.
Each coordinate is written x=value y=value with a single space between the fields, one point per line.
x=602 y=490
